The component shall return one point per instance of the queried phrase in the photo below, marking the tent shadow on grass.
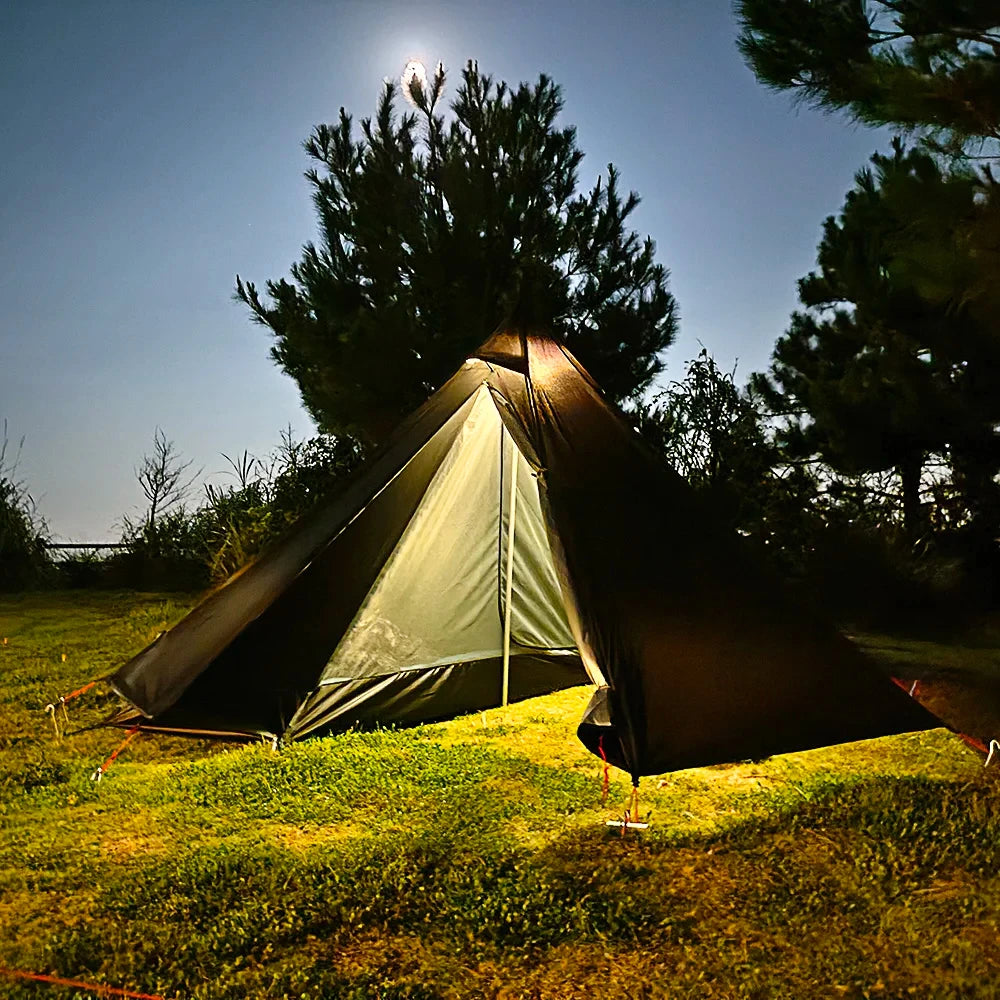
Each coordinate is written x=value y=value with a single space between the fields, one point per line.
x=884 y=872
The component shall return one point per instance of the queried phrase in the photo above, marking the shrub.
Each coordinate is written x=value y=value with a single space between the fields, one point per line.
x=23 y=557
x=878 y=579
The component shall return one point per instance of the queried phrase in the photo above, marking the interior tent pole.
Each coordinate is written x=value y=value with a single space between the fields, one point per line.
x=510 y=571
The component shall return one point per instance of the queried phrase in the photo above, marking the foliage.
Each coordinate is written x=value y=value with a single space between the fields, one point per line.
x=163 y=479
x=948 y=245
x=708 y=430
x=470 y=857
x=894 y=365
x=23 y=559
x=163 y=541
x=236 y=523
x=432 y=231
x=874 y=376
x=309 y=471
x=714 y=435
x=178 y=546
x=931 y=66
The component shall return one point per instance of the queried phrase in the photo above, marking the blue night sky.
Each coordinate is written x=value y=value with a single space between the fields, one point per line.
x=152 y=151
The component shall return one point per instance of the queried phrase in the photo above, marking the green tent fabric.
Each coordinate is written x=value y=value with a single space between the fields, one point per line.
x=388 y=605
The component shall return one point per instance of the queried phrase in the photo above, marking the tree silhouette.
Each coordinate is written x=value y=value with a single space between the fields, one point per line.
x=431 y=230
x=931 y=66
x=874 y=375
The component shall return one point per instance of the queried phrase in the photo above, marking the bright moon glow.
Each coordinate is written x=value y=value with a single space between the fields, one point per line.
x=414 y=71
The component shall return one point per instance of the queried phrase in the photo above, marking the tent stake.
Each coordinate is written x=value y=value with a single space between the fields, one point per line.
x=510 y=571
x=631 y=821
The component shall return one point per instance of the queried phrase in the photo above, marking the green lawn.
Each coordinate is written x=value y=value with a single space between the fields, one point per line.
x=470 y=859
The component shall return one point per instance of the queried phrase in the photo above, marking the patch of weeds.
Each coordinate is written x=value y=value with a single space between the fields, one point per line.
x=147 y=620
x=392 y=774
x=34 y=774
x=318 y=983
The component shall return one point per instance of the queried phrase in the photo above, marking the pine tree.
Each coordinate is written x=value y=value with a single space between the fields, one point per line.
x=873 y=375
x=930 y=66
x=432 y=228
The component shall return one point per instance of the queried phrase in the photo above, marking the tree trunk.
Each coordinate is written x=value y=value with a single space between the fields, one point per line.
x=909 y=473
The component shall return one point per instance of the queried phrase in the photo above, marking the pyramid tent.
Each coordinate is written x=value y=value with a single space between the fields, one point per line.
x=517 y=478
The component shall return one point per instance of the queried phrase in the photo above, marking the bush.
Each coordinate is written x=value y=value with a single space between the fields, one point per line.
x=23 y=557
x=77 y=572
x=878 y=579
x=236 y=523
x=174 y=546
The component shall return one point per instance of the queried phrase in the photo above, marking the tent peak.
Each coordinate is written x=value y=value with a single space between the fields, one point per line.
x=508 y=345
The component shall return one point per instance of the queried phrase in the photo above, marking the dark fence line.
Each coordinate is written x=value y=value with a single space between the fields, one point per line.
x=67 y=552
x=85 y=545
x=123 y=566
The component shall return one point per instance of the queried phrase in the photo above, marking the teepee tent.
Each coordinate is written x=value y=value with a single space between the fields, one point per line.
x=515 y=537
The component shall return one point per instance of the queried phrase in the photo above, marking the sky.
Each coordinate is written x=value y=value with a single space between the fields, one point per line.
x=153 y=151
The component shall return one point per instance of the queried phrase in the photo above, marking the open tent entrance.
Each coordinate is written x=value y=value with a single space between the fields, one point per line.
x=432 y=627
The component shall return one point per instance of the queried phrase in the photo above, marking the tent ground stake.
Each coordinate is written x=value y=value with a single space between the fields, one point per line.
x=630 y=821
x=50 y=709
x=59 y=706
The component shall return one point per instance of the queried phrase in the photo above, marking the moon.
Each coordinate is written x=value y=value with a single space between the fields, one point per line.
x=414 y=71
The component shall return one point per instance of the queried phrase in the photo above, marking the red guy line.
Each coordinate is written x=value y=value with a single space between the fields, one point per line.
x=107 y=991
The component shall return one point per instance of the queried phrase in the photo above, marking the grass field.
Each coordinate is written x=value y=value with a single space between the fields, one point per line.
x=470 y=859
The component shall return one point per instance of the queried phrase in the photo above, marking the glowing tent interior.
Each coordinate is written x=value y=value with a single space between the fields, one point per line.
x=515 y=537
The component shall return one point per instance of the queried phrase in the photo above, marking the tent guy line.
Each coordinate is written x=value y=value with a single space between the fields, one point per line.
x=98 y=989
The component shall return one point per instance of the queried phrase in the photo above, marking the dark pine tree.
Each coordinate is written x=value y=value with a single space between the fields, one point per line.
x=926 y=67
x=873 y=375
x=932 y=66
x=432 y=228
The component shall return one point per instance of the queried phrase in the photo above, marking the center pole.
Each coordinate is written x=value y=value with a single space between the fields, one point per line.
x=510 y=571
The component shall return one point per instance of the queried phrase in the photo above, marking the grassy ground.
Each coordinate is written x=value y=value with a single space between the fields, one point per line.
x=470 y=859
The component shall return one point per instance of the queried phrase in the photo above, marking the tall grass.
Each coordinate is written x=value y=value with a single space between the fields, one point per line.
x=23 y=559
